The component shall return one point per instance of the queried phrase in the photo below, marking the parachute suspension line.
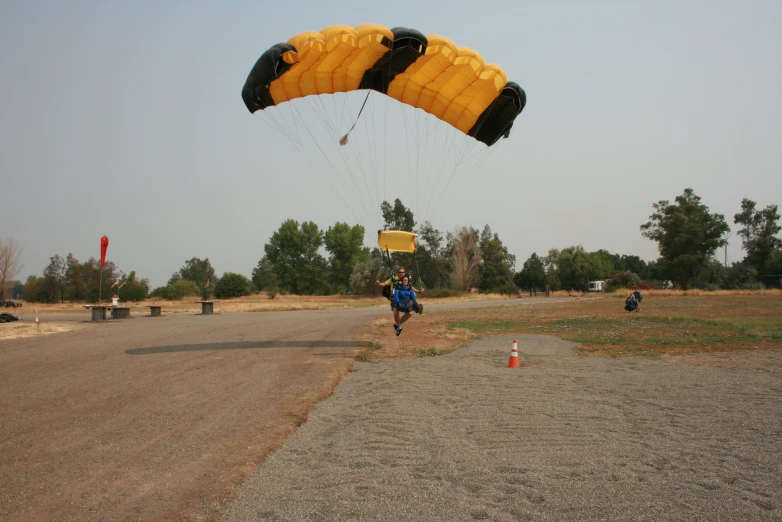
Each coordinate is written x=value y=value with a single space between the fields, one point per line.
x=441 y=198
x=407 y=146
x=344 y=139
x=432 y=180
x=418 y=271
x=373 y=151
x=429 y=185
x=287 y=129
x=358 y=155
x=385 y=124
x=450 y=148
x=314 y=164
x=325 y=117
x=460 y=158
x=361 y=159
x=345 y=185
x=298 y=144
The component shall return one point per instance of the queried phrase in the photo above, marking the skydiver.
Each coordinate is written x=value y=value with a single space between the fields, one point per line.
x=403 y=294
x=392 y=282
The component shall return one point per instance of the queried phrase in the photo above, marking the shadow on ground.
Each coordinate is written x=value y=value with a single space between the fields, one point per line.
x=244 y=345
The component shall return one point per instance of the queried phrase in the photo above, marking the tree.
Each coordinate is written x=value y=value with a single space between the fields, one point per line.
x=687 y=235
x=430 y=257
x=575 y=268
x=10 y=263
x=17 y=289
x=346 y=246
x=75 y=287
x=634 y=264
x=92 y=274
x=551 y=262
x=232 y=285
x=398 y=217
x=263 y=275
x=293 y=254
x=495 y=273
x=54 y=275
x=465 y=257
x=197 y=270
x=532 y=274
x=758 y=237
x=35 y=289
x=364 y=275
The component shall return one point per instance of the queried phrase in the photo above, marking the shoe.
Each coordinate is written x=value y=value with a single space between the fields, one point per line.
x=396 y=328
x=420 y=309
x=399 y=332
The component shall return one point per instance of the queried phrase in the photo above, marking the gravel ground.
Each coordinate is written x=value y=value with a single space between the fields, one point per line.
x=565 y=437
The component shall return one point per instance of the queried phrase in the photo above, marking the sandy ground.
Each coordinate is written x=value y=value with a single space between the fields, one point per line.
x=462 y=437
x=159 y=418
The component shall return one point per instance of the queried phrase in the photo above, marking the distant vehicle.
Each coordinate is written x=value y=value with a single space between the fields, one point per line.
x=13 y=304
x=596 y=286
x=8 y=318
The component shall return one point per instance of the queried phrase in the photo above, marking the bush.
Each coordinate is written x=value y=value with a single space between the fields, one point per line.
x=443 y=292
x=232 y=285
x=364 y=275
x=645 y=285
x=134 y=292
x=177 y=291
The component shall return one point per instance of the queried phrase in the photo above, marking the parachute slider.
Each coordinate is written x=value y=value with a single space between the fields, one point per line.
x=396 y=241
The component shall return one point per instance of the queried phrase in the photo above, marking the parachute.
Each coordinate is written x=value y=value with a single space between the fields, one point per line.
x=427 y=72
x=424 y=113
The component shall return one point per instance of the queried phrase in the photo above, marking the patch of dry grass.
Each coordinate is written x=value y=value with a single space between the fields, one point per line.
x=252 y=303
x=668 y=323
x=17 y=330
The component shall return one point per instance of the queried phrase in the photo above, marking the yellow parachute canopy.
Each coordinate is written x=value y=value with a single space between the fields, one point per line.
x=396 y=241
x=431 y=73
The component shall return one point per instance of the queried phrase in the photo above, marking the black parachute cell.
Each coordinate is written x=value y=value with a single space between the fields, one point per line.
x=268 y=68
x=407 y=47
x=497 y=120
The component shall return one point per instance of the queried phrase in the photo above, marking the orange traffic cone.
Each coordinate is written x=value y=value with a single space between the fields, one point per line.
x=514 y=356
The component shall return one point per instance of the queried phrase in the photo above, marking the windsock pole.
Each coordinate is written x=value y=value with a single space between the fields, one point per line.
x=514 y=356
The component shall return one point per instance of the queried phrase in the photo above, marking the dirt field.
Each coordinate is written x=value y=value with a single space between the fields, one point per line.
x=162 y=418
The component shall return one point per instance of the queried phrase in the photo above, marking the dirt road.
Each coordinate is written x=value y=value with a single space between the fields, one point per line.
x=152 y=418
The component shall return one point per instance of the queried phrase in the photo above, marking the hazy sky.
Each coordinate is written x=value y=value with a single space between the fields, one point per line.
x=125 y=119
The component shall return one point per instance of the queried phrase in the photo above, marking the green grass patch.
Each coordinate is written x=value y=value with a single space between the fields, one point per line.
x=635 y=332
x=482 y=327
x=366 y=353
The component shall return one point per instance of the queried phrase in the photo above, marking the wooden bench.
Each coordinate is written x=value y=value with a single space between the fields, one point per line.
x=98 y=313
x=120 y=313
x=154 y=310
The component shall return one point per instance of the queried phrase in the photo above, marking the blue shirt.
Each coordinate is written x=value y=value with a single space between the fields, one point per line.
x=403 y=294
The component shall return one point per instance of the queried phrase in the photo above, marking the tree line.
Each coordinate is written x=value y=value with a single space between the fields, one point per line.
x=302 y=258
